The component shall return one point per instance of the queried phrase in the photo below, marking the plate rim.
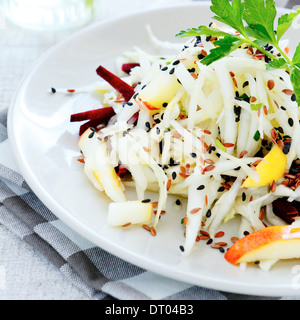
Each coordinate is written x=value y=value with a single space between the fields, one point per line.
x=91 y=235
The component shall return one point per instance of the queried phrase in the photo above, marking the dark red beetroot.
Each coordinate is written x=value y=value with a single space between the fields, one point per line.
x=94 y=117
x=285 y=210
x=125 y=89
x=127 y=67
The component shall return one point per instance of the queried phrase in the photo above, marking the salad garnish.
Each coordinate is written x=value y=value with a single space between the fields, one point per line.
x=216 y=124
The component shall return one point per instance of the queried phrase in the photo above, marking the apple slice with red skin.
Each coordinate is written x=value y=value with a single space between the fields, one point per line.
x=275 y=242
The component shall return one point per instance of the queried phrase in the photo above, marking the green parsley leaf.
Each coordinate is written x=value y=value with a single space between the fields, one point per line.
x=231 y=15
x=260 y=16
x=277 y=64
x=295 y=79
x=220 y=145
x=256 y=136
x=224 y=47
x=256 y=106
x=296 y=58
x=202 y=30
x=284 y=23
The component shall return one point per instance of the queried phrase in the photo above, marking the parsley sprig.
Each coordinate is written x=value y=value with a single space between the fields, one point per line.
x=254 y=20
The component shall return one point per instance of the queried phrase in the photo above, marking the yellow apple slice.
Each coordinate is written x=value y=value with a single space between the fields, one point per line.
x=272 y=168
x=276 y=242
x=98 y=167
x=160 y=90
x=129 y=212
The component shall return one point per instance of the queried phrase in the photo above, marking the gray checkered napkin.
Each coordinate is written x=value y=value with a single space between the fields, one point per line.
x=96 y=272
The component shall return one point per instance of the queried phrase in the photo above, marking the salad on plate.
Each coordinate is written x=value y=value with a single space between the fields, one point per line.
x=216 y=123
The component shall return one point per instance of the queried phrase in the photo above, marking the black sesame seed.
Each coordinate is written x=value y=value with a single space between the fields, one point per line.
x=157 y=130
x=167 y=130
x=202 y=187
x=91 y=135
x=208 y=38
x=178 y=202
x=208 y=213
x=245 y=84
x=172 y=71
x=221 y=189
x=53 y=90
x=237 y=169
x=291 y=122
x=176 y=62
x=193 y=155
x=146 y=201
x=286 y=148
x=200 y=56
x=283 y=108
x=244 y=196
x=165 y=104
x=181 y=248
x=164 y=69
x=222 y=250
x=293 y=97
x=191 y=70
x=147 y=124
x=246 y=233
x=280 y=130
x=257 y=262
x=174 y=175
x=210 y=241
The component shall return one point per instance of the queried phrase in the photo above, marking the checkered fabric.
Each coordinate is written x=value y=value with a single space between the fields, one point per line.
x=96 y=272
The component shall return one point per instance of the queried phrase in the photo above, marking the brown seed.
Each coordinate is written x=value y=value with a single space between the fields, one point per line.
x=126 y=225
x=234 y=239
x=243 y=153
x=228 y=145
x=203 y=237
x=252 y=99
x=265 y=110
x=209 y=161
x=288 y=92
x=153 y=231
x=204 y=233
x=222 y=244
x=274 y=134
x=146 y=227
x=261 y=214
x=271 y=84
x=169 y=184
x=232 y=74
x=219 y=234
x=185 y=220
x=196 y=210
x=216 y=246
x=209 y=168
x=273 y=186
x=204 y=53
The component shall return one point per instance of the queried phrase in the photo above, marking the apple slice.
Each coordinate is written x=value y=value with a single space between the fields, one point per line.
x=98 y=167
x=272 y=168
x=160 y=90
x=129 y=212
x=276 y=242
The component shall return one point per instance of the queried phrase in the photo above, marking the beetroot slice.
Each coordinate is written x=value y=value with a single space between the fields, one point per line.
x=127 y=67
x=102 y=113
x=125 y=89
x=285 y=210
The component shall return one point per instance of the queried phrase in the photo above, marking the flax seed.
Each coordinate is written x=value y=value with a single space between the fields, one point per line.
x=271 y=84
x=196 y=210
x=219 y=234
x=153 y=231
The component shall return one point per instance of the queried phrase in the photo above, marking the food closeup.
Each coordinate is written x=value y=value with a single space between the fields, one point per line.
x=216 y=123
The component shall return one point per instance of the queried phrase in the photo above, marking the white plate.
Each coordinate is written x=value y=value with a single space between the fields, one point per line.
x=45 y=146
